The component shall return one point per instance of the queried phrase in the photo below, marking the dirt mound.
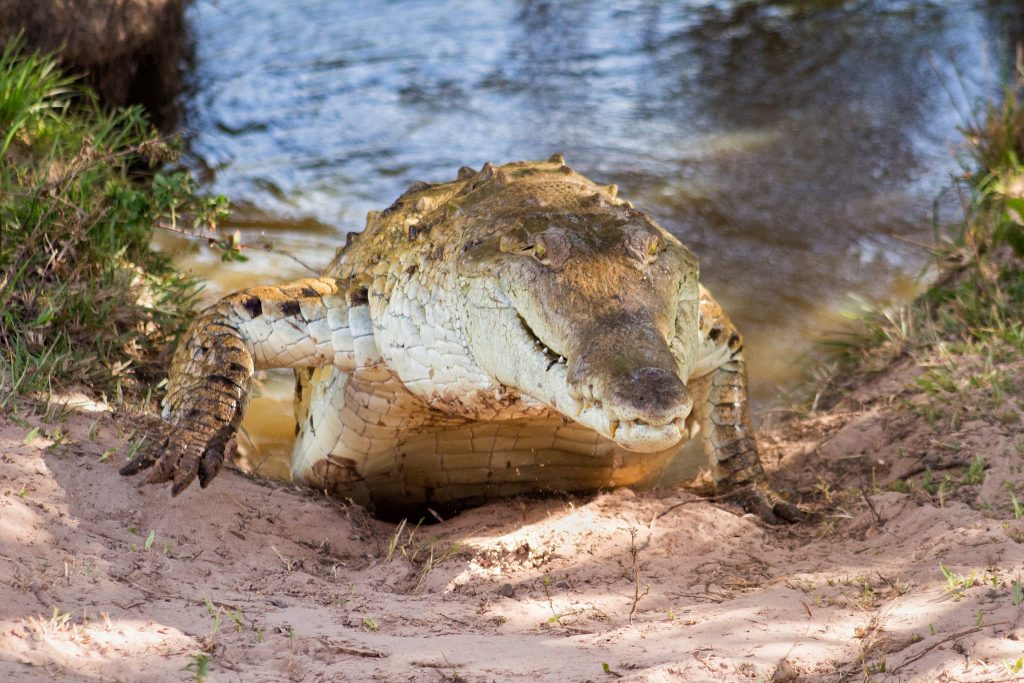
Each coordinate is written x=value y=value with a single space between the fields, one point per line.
x=129 y=50
x=918 y=580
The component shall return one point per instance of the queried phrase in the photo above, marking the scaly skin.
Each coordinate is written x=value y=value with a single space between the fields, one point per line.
x=517 y=329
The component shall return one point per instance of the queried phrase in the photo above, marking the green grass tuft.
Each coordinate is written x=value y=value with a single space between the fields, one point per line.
x=974 y=306
x=83 y=297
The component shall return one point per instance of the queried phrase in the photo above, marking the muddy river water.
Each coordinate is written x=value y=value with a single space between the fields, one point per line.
x=799 y=148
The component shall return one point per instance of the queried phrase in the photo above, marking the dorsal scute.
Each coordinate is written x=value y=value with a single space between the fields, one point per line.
x=431 y=214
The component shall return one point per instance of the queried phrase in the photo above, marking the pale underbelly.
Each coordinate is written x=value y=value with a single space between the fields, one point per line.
x=471 y=463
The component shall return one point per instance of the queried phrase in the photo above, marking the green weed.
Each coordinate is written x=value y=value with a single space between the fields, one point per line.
x=83 y=297
x=927 y=482
x=215 y=616
x=134 y=447
x=976 y=472
x=1013 y=667
x=34 y=95
x=199 y=667
x=974 y=305
x=59 y=619
x=956 y=584
x=556 y=617
x=421 y=552
x=237 y=619
x=900 y=486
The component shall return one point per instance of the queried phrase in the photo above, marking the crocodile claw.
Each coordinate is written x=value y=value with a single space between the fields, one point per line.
x=142 y=461
x=762 y=501
x=213 y=460
x=181 y=460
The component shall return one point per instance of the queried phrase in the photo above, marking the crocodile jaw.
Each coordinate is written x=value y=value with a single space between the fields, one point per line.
x=507 y=350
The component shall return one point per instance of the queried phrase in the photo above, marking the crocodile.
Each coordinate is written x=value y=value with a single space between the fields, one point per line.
x=518 y=329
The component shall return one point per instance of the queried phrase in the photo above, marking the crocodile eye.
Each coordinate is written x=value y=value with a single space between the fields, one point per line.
x=642 y=244
x=551 y=248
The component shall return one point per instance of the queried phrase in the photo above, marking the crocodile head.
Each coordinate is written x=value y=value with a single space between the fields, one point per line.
x=590 y=308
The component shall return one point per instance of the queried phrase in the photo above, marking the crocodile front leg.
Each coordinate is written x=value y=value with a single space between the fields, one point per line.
x=307 y=323
x=718 y=385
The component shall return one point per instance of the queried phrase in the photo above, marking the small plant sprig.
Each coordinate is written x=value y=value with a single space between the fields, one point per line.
x=976 y=472
x=634 y=559
x=199 y=667
x=555 y=617
x=418 y=552
x=956 y=584
x=215 y=615
x=1013 y=667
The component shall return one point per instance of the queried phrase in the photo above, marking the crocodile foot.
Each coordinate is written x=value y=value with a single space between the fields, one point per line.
x=762 y=501
x=182 y=460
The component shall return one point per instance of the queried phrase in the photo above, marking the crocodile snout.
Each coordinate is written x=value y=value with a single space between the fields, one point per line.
x=647 y=409
x=654 y=396
x=626 y=376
